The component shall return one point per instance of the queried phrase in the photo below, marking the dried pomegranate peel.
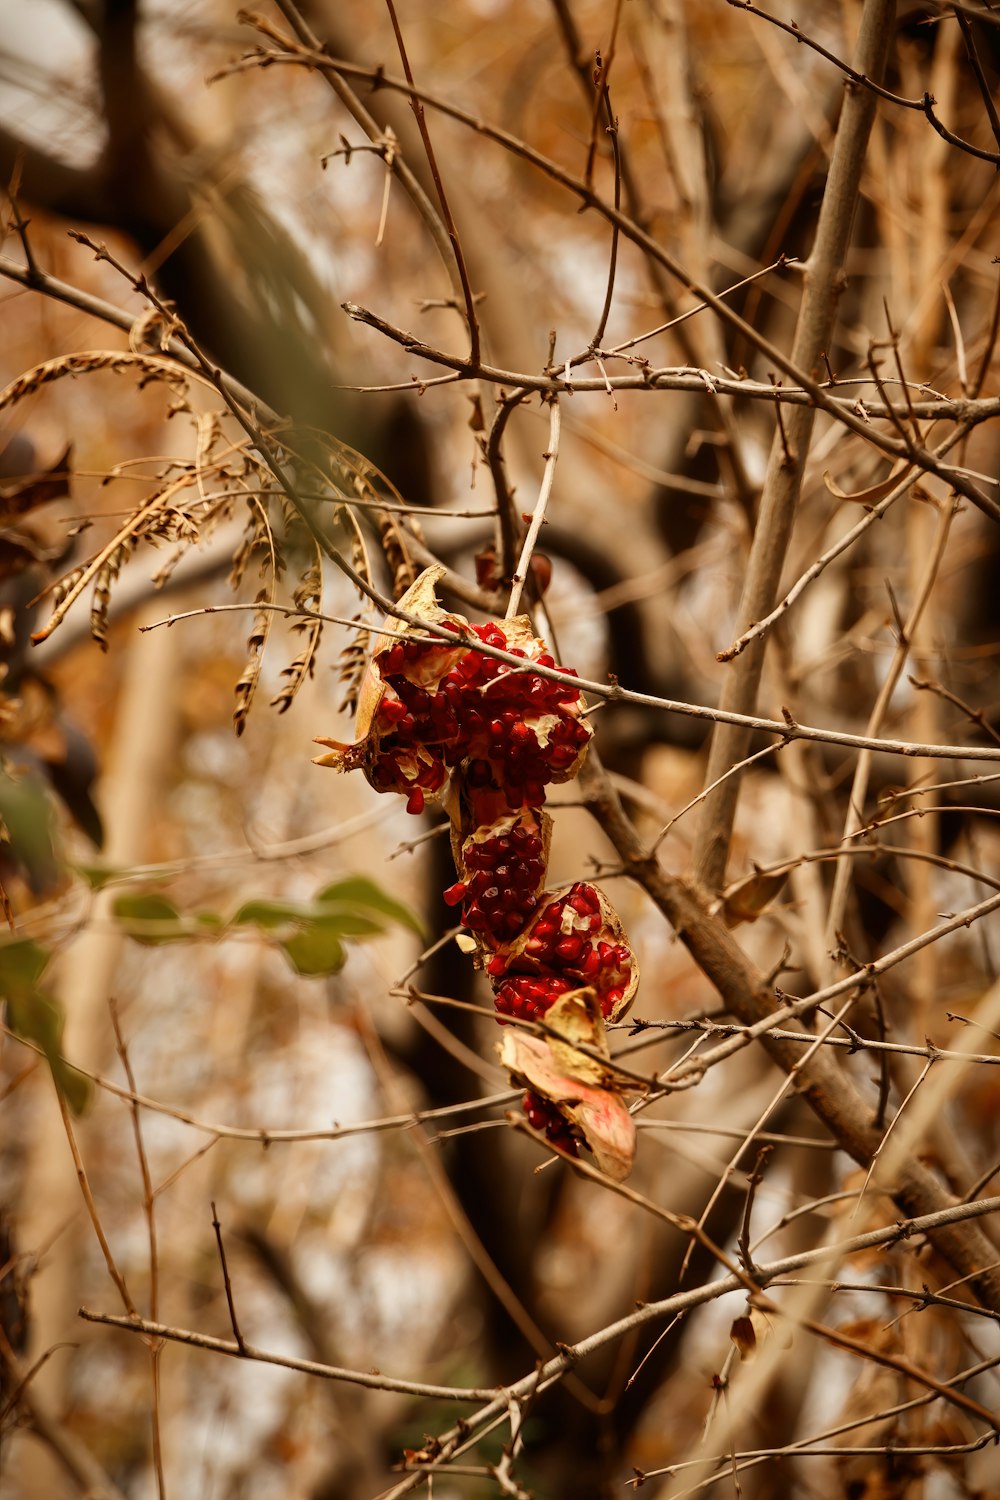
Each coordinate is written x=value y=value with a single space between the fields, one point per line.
x=582 y=1089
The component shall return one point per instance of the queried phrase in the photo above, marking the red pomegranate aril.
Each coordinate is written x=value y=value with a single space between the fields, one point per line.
x=541 y=1115
x=583 y=900
x=527 y=997
x=391 y=709
x=432 y=777
x=455 y=893
x=479 y=774
x=536 y=1112
x=415 y=801
x=569 y=949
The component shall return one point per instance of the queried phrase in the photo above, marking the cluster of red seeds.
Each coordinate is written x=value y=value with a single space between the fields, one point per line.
x=505 y=874
x=562 y=951
x=542 y=1115
x=517 y=731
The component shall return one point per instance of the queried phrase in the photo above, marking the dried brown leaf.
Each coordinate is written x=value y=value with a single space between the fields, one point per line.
x=402 y=568
x=106 y=575
x=246 y=687
x=873 y=494
x=150 y=367
x=744 y=1336
x=745 y=901
x=352 y=664
x=18 y=498
x=308 y=595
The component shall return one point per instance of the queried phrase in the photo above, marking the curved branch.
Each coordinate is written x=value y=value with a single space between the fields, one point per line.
x=748 y=996
x=924 y=105
x=927 y=105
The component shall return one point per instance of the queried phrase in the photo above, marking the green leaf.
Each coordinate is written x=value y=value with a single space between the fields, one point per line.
x=314 y=951
x=39 y=1018
x=22 y=963
x=270 y=914
x=36 y=1016
x=144 y=906
x=26 y=813
x=150 y=918
x=347 y=923
x=358 y=890
x=98 y=876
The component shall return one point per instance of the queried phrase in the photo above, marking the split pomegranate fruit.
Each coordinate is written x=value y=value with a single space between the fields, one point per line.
x=437 y=717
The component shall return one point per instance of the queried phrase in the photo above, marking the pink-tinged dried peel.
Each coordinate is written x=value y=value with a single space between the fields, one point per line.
x=577 y=935
x=582 y=1087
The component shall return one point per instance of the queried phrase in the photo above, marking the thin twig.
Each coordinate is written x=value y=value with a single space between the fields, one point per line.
x=538 y=515
x=786 y=463
x=149 y=1209
x=743 y=1238
x=240 y=1341
x=418 y=113
x=862 y=770
x=373 y=1382
x=95 y=1218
